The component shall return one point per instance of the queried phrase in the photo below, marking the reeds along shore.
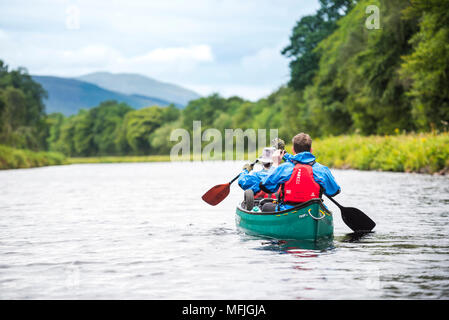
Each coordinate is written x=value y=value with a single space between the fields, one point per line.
x=422 y=153
x=11 y=158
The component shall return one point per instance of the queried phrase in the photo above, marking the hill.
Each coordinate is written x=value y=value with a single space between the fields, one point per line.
x=129 y=83
x=68 y=95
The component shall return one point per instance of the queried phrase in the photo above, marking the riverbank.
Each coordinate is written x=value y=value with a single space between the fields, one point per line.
x=11 y=158
x=421 y=153
x=118 y=159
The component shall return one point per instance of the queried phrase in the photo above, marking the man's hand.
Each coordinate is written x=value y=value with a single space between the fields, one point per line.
x=248 y=167
x=277 y=157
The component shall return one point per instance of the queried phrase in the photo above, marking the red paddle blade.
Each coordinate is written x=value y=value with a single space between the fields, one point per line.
x=216 y=194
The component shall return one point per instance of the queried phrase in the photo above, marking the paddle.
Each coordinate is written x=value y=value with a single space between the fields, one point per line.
x=217 y=194
x=355 y=218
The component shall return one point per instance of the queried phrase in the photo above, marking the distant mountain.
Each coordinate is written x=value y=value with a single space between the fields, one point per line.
x=68 y=95
x=129 y=83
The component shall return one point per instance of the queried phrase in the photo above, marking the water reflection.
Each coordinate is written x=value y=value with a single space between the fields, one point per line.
x=300 y=248
x=303 y=250
x=355 y=236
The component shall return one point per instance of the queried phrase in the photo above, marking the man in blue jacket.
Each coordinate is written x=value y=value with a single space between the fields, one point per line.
x=301 y=176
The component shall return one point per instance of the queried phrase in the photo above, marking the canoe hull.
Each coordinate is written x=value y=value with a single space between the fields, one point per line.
x=308 y=221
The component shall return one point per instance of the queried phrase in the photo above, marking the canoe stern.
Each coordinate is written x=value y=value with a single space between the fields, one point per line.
x=309 y=221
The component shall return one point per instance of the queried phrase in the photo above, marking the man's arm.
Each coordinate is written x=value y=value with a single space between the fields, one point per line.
x=279 y=175
x=288 y=157
x=247 y=180
x=323 y=176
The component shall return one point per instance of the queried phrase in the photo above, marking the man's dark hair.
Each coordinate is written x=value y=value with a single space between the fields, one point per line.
x=302 y=142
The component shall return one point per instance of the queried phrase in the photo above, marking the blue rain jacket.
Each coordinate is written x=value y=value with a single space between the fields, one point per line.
x=321 y=174
x=251 y=180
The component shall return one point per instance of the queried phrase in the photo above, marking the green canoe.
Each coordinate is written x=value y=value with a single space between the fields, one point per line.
x=310 y=220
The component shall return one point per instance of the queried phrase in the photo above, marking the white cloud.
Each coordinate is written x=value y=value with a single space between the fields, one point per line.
x=95 y=57
x=263 y=57
x=108 y=56
x=267 y=65
x=231 y=47
x=192 y=53
x=92 y=55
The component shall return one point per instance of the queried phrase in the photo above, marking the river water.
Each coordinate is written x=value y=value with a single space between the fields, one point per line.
x=141 y=231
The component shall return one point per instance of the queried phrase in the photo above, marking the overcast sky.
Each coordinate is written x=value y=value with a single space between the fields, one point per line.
x=227 y=46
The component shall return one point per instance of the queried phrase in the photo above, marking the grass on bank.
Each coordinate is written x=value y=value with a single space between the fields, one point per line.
x=118 y=159
x=423 y=153
x=152 y=158
x=11 y=158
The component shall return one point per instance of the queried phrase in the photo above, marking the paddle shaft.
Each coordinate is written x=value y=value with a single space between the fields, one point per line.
x=216 y=194
x=334 y=201
x=236 y=177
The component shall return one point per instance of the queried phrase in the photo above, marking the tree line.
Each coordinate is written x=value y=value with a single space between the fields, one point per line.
x=345 y=78
x=22 y=112
x=373 y=81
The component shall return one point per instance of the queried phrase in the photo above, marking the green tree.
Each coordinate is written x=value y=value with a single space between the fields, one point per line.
x=170 y=113
x=425 y=71
x=54 y=123
x=160 y=139
x=308 y=32
x=22 y=112
x=107 y=119
x=83 y=138
x=357 y=86
x=137 y=127
x=65 y=142
x=207 y=109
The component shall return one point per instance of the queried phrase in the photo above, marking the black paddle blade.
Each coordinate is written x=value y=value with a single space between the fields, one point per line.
x=216 y=194
x=357 y=220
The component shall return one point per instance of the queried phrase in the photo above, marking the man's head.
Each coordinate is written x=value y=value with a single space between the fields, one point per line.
x=301 y=143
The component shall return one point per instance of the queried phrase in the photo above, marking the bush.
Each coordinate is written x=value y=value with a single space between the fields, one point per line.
x=11 y=158
x=424 y=152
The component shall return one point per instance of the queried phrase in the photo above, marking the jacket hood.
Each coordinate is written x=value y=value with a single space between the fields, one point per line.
x=304 y=157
